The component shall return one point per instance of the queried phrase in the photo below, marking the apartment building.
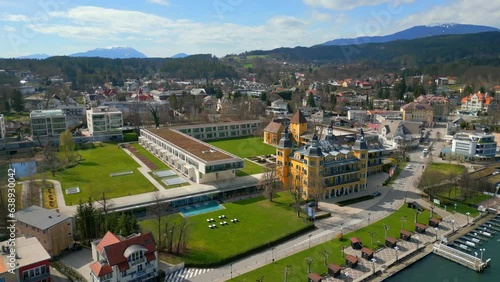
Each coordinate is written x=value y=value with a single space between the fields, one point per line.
x=477 y=102
x=48 y=123
x=440 y=105
x=30 y=263
x=124 y=259
x=213 y=131
x=54 y=230
x=418 y=112
x=105 y=123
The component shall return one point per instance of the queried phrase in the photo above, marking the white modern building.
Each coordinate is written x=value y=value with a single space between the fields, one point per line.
x=105 y=123
x=474 y=145
x=30 y=263
x=48 y=123
x=212 y=131
x=118 y=259
x=195 y=159
x=3 y=131
x=278 y=107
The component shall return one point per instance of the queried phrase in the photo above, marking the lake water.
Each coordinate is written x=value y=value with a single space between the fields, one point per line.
x=434 y=268
x=24 y=169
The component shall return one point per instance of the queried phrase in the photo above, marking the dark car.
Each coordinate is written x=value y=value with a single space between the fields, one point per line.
x=376 y=194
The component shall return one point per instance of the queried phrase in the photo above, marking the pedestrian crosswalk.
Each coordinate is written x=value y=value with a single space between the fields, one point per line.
x=185 y=273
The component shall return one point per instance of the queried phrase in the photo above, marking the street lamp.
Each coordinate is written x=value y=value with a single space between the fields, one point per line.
x=272 y=254
x=231 y=270
x=397 y=249
x=287 y=270
x=467 y=214
x=482 y=251
x=436 y=229
x=373 y=264
x=310 y=235
x=369 y=217
x=453 y=225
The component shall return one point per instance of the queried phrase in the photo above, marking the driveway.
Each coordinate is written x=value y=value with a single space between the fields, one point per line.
x=80 y=261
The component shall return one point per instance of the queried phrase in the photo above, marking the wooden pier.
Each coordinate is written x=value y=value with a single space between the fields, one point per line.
x=460 y=257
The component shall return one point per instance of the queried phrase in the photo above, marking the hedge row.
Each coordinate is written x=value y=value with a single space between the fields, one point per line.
x=68 y=271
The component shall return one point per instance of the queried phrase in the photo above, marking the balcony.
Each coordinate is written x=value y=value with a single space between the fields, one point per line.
x=341 y=171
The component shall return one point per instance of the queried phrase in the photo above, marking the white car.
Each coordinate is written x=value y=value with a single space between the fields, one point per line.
x=409 y=167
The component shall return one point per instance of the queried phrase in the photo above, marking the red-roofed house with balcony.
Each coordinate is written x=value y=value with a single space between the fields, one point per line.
x=477 y=102
x=133 y=258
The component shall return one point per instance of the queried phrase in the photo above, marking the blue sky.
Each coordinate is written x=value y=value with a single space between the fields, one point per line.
x=161 y=28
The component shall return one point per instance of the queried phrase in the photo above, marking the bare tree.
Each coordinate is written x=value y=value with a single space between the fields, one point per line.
x=183 y=234
x=157 y=210
x=269 y=181
x=316 y=185
x=309 y=261
x=386 y=229
x=295 y=188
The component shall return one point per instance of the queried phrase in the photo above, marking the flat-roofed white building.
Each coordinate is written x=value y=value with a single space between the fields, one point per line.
x=48 y=123
x=195 y=159
x=212 y=131
x=105 y=122
x=474 y=145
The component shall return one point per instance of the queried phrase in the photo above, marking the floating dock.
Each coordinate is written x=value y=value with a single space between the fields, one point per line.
x=460 y=257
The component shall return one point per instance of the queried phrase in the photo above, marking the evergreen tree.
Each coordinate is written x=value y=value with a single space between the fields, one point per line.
x=310 y=100
x=17 y=101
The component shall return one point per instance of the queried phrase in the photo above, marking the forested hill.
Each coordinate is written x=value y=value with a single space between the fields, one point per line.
x=437 y=49
x=82 y=71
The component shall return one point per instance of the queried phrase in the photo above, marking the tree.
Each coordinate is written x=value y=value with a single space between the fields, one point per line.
x=157 y=210
x=182 y=235
x=309 y=261
x=106 y=204
x=386 y=229
x=372 y=234
x=153 y=110
x=295 y=188
x=50 y=159
x=17 y=101
x=269 y=181
x=85 y=221
x=316 y=185
x=67 y=147
x=310 y=100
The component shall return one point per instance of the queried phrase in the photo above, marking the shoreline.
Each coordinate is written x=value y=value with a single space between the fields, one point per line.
x=423 y=252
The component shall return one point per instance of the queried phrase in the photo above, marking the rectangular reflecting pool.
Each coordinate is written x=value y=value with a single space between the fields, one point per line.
x=200 y=208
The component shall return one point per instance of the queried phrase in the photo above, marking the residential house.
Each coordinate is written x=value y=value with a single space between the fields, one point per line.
x=24 y=259
x=440 y=105
x=360 y=116
x=105 y=123
x=124 y=259
x=272 y=132
x=53 y=229
x=418 y=112
x=278 y=107
x=378 y=116
x=477 y=102
x=400 y=134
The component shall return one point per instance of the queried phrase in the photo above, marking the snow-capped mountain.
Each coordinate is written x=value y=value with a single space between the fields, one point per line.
x=114 y=52
x=414 y=33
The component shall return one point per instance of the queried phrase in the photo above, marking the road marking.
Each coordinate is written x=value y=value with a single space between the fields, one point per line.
x=185 y=273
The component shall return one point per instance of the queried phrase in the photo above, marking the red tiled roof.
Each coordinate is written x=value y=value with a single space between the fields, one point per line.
x=108 y=239
x=150 y=256
x=273 y=127
x=114 y=252
x=314 y=276
x=352 y=259
x=298 y=117
x=354 y=240
x=100 y=270
x=420 y=225
x=367 y=251
x=334 y=267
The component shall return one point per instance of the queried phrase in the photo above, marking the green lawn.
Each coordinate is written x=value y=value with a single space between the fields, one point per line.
x=261 y=222
x=244 y=147
x=456 y=194
x=274 y=271
x=441 y=171
x=92 y=175
x=161 y=165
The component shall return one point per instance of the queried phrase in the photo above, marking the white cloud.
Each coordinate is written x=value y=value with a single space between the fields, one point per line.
x=461 y=11
x=322 y=17
x=163 y=36
x=352 y=4
x=8 y=28
x=14 y=18
x=159 y=2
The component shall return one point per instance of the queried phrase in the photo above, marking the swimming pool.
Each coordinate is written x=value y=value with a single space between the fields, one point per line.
x=200 y=208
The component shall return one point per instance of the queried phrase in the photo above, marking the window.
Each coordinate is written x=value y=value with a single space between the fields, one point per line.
x=139 y=267
x=124 y=273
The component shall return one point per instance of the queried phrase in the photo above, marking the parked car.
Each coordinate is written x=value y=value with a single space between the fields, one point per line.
x=376 y=194
x=409 y=167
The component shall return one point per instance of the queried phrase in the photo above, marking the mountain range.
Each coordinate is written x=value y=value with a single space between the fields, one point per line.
x=115 y=52
x=415 y=32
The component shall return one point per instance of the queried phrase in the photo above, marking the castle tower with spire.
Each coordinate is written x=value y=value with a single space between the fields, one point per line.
x=298 y=126
x=283 y=151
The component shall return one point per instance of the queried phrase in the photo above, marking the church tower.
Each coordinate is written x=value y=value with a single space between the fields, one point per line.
x=298 y=125
x=360 y=149
x=283 y=151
